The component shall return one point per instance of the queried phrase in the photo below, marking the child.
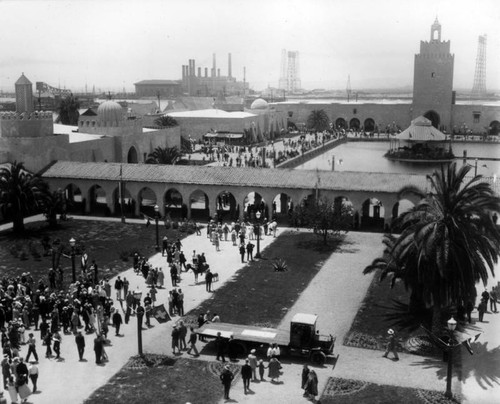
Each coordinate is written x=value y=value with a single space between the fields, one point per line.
x=261 y=367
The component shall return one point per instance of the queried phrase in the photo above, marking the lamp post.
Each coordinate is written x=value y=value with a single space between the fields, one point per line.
x=72 y=243
x=157 y=218
x=452 y=324
x=257 y=223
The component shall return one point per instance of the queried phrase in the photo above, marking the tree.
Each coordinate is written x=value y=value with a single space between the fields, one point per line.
x=164 y=155
x=327 y=219
x=318 y=120
x=54 y=203
x=68 y=110
x=448 y=242
x=21 y=194
x=165 y=121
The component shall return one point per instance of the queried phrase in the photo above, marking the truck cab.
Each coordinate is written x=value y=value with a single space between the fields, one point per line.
x=305 y=340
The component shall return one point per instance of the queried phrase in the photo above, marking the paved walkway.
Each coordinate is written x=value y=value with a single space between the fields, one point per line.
x=335 y=294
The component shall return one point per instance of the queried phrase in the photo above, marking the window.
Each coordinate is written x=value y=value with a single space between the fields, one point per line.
x=290 y=114
x=354 y=111
x=433 y=74
x=477 y=116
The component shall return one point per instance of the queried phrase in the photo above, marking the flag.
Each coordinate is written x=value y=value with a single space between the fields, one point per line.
x=467 y=343
x=160 y=313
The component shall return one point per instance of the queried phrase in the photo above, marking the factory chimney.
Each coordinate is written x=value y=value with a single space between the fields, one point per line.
x=229 y=74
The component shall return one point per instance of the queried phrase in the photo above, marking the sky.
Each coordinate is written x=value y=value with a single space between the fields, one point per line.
x=113 y=44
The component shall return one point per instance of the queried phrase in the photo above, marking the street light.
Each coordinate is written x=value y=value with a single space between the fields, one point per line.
x=452 y=324
x=72 y=243
x=157 y=217
x=257 y=223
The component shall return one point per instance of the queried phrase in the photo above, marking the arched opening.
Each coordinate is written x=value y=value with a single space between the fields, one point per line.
x=494 y=128
x=433 y=116
x=174 y=206
x=97 y=198
x=225 y=207
x=132 y=156
x=340 y=123
x=400 y=207
x=354 y=124
x=369 y=125
x=198 y=202
x=372 y=214
x=147 y=201
x=342 y=205
x=254 y=202
x=75 y=202
x=128 y=208
x=282 y=208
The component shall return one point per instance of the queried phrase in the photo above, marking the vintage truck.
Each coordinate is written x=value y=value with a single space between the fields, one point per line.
x=301 y=340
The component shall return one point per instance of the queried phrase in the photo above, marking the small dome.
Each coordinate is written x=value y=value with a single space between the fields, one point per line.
x=110 y=111
x=259 y=103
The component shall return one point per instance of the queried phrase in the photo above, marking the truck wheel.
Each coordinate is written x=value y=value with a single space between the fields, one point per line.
x=318 y=358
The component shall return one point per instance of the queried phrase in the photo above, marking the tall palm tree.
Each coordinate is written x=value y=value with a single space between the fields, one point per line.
x=449 y=241
x=166 y=121
x=68 y=110
x=318 y=120
x=54 y=203
x=164 y=155
x=21 y=194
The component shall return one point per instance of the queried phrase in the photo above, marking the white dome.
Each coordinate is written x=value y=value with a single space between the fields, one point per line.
x=259 y=103
x=110 y=112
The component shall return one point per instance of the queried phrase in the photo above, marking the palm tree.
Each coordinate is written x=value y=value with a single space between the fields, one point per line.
x=318 y=120
x=165 y=121
x=54 y=203
x=164 y=155
x=449 y=241
x=21 y=194
x=68 y=110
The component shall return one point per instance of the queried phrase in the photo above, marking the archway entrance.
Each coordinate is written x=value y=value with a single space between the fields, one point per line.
x=369 y=125
x=354 y=124
x=132 y=156
x=254 y=202
x=173 y=204
x=128 y=203
x=433 y=116
x=147 y=202
x=494 y=128
x=225 y=207
x=198 y=202
x=282 y=208
x=372 y=214
x=340 y=123
x=97 y=198
x=75 y=202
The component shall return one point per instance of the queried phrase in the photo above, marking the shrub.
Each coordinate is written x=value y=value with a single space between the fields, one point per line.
x=280 y=265
x=168 y=224
x=124 y=255
x=175 y=225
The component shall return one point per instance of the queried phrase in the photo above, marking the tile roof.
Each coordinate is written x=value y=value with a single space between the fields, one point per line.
x=256 y=177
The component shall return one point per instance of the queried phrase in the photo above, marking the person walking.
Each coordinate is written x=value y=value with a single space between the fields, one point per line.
x=80 y=344
x=98 y=348
x=493 y=301
x=391 y=345
x=481 y=309
x=117 y=321
x=220 y=346
x=242 y=252
x=226 y=378
x=119 y=288
x=252 y=360
x=249 y=251
x=311 y=389
x=33 y=374
x=274 y=369
x=262 y=368
x=175 y=339
x=305 y=374
x=208 y=280
x=182 y=336
x=31 y=348
x=246 y=375
x=57 y=344
x=192 y=342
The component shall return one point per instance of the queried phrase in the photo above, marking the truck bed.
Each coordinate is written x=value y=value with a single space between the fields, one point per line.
x=239 y=332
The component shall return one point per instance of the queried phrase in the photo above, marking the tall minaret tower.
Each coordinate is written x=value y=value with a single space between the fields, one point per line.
x=24 y=95
x=433 y=80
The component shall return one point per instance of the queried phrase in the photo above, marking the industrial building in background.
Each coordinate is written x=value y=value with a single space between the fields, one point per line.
x=479 y=86
x=289 y=72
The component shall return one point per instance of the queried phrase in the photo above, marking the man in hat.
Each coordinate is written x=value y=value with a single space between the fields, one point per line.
x=252 y=360
x=391 y=345
x=246 y=375
x=80 y=344
x=226 y=378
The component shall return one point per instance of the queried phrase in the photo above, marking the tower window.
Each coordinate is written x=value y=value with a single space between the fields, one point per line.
x=354 y=111
x=476 y=116
x=433 y=74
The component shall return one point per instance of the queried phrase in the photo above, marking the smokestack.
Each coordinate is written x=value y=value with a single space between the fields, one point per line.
x=206 y=72
x=218 y=72
x=214 y=66
x=194 y=67
x=199 y=71
x=229 y=74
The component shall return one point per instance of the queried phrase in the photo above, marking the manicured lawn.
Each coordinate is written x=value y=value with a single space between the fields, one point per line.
x=342 y=391
x=384 y=308
x=261 y=296
x=103 y=241
x=179 y=383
